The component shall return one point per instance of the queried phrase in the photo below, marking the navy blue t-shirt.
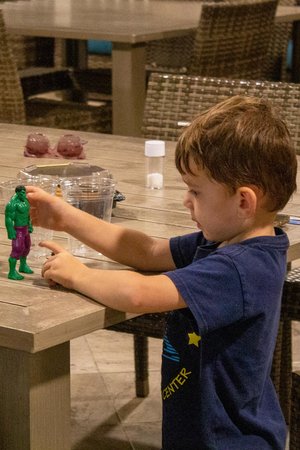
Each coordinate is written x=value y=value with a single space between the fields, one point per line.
x=217 y=353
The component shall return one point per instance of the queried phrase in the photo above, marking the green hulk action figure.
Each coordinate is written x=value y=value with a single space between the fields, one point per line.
x=19 y=227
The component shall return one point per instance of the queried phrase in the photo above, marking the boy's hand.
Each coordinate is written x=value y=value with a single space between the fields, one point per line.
x=61 y=268
x=46 y=210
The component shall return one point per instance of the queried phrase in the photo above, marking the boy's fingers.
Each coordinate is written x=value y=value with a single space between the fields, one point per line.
x=53 y=246
x=31 y=190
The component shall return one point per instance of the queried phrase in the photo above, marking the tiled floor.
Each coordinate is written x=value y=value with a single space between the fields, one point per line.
x=106 y=415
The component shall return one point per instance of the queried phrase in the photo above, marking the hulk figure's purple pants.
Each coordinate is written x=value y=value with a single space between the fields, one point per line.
x=21 y=245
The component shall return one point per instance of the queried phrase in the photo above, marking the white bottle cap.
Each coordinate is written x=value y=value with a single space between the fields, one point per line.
x=155 y=148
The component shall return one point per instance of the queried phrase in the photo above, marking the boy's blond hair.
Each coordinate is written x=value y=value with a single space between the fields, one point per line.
x=242 y=141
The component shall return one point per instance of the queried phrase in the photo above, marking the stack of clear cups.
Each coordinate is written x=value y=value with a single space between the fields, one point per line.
x=93 y=194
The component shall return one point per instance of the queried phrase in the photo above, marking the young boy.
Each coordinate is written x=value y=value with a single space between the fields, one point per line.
x=223 y=284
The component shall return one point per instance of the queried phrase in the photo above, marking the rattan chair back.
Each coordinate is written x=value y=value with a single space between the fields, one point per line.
x=42 y=111
x=23 y=49
x=276 y=60
x=232 y=38
x=295 y=413
x=172 y=99
x=172 y=54
x=11 y=95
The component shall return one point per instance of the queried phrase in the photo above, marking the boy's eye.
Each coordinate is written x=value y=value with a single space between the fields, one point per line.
x=192 y=192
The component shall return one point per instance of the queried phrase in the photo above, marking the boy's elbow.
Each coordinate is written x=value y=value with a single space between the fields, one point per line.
x=135 y=299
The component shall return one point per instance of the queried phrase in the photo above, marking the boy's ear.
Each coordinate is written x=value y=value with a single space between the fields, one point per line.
x=247 y=202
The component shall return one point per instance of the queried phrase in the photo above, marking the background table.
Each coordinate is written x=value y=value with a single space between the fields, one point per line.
x=129 y=24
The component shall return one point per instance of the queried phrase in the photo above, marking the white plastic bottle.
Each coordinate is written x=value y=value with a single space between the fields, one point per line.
x=155 y=153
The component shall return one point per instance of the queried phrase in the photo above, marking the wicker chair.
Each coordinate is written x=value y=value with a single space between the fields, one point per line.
x=31 y=51
x=231 y=40
x=174 y=98
x=295 y=413
x=11 y=96
x=290 y=312
x=34 y=58
x=276 y=67
x=172 y=54
x=42 y=112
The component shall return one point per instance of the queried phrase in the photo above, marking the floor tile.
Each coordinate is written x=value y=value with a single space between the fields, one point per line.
x=129 y=408
x=86 y=386
x=82 y=358
x=106 y=413
x=113 y=351
x=144 y=436
x=104 y=438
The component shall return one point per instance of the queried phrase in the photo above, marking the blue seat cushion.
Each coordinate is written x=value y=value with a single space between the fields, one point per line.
x=289 y=55
x=99 y=47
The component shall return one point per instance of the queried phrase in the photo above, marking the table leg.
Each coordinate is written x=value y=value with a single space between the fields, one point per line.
x=35 y=399
x=128 y=88
x=76 y=53
x=296 y=52
x=45 y=51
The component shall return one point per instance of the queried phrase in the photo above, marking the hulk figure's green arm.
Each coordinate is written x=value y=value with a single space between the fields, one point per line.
x=10 y=220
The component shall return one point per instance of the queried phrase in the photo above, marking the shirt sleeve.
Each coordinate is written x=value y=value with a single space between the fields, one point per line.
x=183 y=248
x=212 y=289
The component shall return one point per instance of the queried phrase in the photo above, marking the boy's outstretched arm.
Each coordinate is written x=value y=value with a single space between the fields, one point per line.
x=129 y=247
x=119 y=289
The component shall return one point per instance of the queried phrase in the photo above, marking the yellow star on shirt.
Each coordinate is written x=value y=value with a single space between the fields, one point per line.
x=194 y=339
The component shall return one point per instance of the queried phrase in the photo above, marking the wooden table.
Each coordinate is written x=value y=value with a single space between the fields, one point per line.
x=129 y=25
x=37 y=323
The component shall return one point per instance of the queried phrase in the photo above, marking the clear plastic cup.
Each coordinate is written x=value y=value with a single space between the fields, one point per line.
x=92 y=194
